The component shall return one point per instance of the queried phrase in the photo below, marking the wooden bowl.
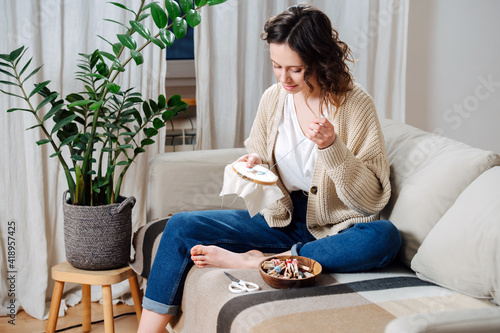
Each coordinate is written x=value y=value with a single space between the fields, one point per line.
x=284 y=283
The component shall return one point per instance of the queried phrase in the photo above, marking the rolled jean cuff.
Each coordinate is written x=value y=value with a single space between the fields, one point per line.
x=159 y=307
x=295 y=249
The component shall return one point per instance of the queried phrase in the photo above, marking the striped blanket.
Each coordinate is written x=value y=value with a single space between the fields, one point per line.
x=359 y=302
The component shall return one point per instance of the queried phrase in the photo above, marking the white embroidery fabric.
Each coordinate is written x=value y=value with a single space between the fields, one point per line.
x=256 y=196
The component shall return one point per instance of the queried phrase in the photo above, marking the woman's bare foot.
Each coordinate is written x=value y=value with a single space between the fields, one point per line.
x=214 y=256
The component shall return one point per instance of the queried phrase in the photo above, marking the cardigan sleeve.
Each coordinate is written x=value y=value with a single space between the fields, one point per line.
x=357 y=162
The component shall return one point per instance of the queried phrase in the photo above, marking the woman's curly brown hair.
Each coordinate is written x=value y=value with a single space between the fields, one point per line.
x=309 y=32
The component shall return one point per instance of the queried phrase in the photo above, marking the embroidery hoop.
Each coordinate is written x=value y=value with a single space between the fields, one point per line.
x=258 y=174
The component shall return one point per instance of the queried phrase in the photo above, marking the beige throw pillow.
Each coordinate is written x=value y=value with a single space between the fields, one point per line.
x=428 y=173
x=462 y=252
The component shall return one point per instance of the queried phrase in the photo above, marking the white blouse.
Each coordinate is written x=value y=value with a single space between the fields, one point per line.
x=297 y=167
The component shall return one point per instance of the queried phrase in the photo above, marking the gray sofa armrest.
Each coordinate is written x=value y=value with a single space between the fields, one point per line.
x=189 y=181
x=484 y=320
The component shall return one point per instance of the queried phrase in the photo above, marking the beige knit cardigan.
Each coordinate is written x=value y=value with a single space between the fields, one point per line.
x=350 y=182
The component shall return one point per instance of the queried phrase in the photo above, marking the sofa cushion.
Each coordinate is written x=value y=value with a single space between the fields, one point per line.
x=172 y=190
x=428 y=173
x=462 y=252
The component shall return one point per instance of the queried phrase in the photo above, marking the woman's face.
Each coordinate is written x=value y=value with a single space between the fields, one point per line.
x=288 y=68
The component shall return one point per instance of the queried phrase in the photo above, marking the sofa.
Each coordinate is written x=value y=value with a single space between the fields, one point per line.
x=445 y=202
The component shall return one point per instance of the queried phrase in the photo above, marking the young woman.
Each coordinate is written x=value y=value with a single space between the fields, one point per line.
x=334 y=184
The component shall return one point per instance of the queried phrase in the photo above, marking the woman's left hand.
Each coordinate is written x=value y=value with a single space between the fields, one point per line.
x=321 y=132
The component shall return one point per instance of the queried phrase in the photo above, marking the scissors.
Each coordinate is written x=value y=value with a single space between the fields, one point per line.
x=238 y=286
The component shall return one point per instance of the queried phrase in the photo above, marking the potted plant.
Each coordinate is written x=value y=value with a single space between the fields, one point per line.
x=97 y=133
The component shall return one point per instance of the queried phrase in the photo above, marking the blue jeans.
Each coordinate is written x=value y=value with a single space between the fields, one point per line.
x=362 y=247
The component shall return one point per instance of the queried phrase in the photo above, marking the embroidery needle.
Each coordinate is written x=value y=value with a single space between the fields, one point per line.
x=287 y=153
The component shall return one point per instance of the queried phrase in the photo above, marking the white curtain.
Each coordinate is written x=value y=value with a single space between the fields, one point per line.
x=31 y=183
x=233 y=66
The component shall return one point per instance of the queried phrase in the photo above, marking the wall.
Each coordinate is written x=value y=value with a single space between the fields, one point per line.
x=453 y=70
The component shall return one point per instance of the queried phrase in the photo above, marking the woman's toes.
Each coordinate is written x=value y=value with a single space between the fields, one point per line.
x=196 y=250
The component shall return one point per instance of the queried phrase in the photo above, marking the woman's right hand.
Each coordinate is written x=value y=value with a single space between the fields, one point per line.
x=250 y=159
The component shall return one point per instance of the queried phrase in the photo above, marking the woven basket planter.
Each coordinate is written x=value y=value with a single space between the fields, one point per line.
x=98 y=237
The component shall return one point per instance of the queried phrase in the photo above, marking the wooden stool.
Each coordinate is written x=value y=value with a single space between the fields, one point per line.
x=64 y=272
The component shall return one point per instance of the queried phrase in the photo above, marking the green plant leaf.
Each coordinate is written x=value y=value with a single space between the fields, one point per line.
x=153 y=105
x=193 y=18
x=123 y=163
x=63 y=123
x=142 y=17
x=137 y=56
x=139 y=150
x=146 y=109
x=142 y=30
x=16 y=53
x=123 y=25
x=167 y=37
x=118 y=68
x=19 y=57
x=32 y=73
x=215 y=2
x=173 y=9
x=81 y=103
x=5 y=57
x=157 y=123
x=25 y=67
x=19 y=109
x=38 y=87
x=134 y=99
x=96 y=105
x=174 y=100
x=181 y=107
x=126 y=146
x=7 y=73
x=128 y=133
x=148 y=5
x=159 y=16
x=117 y=4
x=147 y=142
x=113 y=87
x=104 y=39
x=77 y=157
x=5 y=64
x=56 y=154
x=111 y=136
x=162 y=102
x=43 y=141
x=137 y=117
x=11 y=94
x=117 y=47
x=53 y=111
x=186 y=5
x=157 y=42
x=68 y=140
x=200 y=3
x=99 y=76
x=47 y=99
x=127 y=41
x=103 y=70
x=9 y=83
x=74 y=97
x=34 y=126
x=150 y=132
x=180 y=27
x=111 y=57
